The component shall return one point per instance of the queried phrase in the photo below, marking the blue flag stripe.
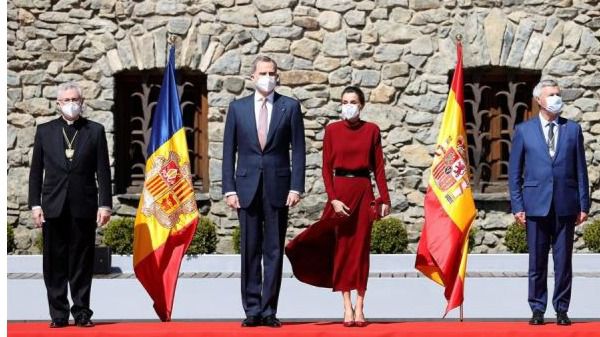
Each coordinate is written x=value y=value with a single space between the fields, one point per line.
x=167 y=113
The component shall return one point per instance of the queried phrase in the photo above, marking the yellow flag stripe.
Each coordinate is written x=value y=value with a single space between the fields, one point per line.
x=462 y=209
x=149 y=234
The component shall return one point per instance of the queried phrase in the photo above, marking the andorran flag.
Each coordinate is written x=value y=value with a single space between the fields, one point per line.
x=449 y=205
x=167 y=215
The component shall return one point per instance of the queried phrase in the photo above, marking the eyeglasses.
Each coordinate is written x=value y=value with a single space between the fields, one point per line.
x=70 y=100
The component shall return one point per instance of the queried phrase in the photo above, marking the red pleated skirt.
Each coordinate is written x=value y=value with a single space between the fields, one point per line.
x=334 y=251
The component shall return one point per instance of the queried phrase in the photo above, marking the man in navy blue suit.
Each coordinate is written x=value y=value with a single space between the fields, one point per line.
x=260 y=130
x=549 y=194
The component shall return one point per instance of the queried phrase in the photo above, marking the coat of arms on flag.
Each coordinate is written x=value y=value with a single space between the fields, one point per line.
x=168 y=191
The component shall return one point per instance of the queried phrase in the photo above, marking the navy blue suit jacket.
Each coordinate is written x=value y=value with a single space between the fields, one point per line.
x=538 y=181
x=280 y=175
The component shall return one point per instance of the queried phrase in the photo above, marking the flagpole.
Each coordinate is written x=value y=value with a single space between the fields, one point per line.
x=462 y=317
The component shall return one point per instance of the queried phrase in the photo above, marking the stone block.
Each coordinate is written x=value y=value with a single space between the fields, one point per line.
x=388 y=53
x=335 y=44
x=341 y=76
x=293 y=32
x=365 y=78
x=329 y=20
x=326 y=64
x=306 y=48
x=562 y=67
x=280 y=17
x=401 y=15
x=307 y=22
x=335 y=5
x=494 y=26
x=179 y=26
x=355 y=18
x=228 y=64
x=382 y=94
x=243 y=15
x=395 y=32
x=359 y=51
x=416 y=155
x=532 y=51
x=424 y=4
x=422 y=46
x=269 y=5
x=301 y=77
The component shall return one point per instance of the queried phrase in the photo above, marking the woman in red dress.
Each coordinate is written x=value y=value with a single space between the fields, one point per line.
x=334 y=252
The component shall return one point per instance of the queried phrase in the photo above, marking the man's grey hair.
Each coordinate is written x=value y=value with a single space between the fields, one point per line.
x=69 y=86
x=537 y=91
x=262 y=58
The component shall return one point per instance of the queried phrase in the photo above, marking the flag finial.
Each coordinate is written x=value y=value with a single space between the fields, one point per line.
x=171 y=39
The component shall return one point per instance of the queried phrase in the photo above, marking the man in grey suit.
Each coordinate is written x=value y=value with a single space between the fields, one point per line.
x=260 y=130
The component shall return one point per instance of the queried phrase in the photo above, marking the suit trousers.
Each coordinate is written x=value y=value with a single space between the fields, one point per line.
x=542 y=233
x=263 y=229
x=68 y=260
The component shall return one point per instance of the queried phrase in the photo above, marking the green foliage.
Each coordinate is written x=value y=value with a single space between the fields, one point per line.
x=389 y=236
x=39 y=242
x=236 y=238
x=118 y=235
x=591 y=236
x=516 y=238
x=205 y=239
x=472 y=235
x=10 y=239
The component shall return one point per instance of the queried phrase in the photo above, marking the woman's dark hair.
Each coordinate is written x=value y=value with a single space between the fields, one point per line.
x=357 y=91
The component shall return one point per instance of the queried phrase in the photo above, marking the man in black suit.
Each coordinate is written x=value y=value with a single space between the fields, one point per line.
x=70 y=156
x=261 y=180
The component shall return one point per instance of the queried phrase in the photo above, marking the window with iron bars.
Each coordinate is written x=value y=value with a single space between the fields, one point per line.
x=136 y=96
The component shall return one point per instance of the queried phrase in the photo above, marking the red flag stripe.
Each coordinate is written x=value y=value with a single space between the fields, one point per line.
x=164 y=261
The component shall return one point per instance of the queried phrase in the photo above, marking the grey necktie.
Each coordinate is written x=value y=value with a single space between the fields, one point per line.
x=551 y=137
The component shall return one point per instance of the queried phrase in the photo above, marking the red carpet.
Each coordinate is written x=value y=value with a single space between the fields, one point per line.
x=227 y=329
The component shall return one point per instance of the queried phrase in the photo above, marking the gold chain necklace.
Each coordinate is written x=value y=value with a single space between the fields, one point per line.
x=70 y=151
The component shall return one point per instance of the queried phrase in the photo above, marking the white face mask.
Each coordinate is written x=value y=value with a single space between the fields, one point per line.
x=266 y=83
x=349 y=111
x=71 y=110
x=554 y=104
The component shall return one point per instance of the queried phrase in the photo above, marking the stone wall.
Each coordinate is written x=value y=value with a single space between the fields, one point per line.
x=399 y=51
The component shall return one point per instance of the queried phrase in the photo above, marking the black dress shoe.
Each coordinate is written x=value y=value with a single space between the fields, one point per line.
x=271 y=321
x=562 y=318
x=59 y=323
x=537 y=318
x=251 y=321
x=84 y=321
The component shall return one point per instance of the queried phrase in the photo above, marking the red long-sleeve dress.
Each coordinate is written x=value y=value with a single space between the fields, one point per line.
x=334 y=251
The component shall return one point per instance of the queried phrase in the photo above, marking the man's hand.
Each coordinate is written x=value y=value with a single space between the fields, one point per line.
x=38 y=217
x=340 y=208
x=293 y=199
x=233 y=201
x=520 y=217
x=581 y=218
x=102 y=217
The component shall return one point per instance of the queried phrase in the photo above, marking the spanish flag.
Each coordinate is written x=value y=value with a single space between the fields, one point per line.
x=167 y=215
x=449 y=205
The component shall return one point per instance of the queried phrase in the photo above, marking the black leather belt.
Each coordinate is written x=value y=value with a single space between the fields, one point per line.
x=352 y=173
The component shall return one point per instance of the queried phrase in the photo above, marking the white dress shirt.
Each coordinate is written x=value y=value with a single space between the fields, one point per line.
x=546 y=128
